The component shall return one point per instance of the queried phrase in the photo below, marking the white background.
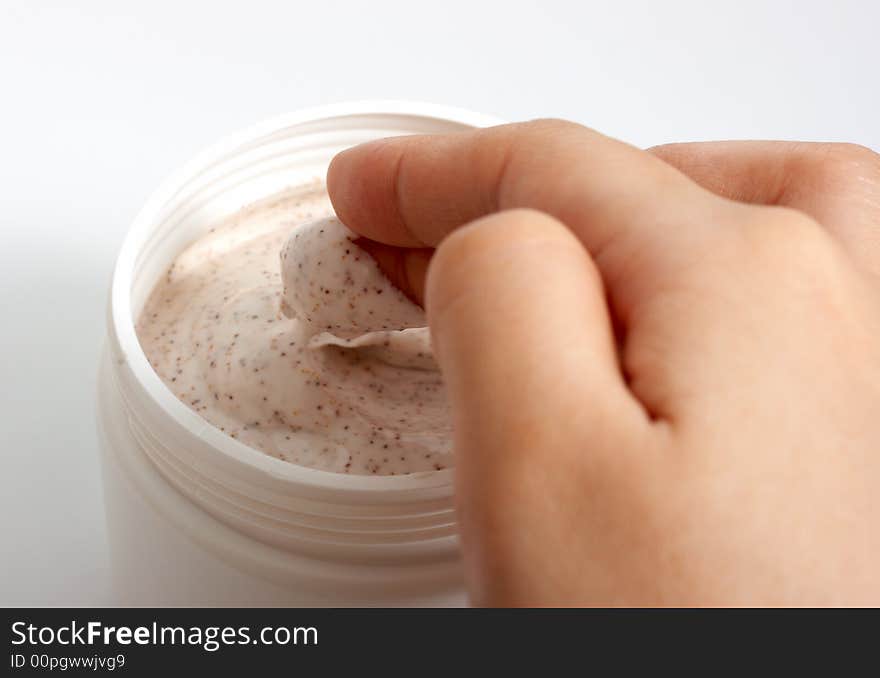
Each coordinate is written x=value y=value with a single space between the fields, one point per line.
x=100 y=100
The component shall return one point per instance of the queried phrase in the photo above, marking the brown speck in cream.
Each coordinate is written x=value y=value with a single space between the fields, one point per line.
x=363 y=376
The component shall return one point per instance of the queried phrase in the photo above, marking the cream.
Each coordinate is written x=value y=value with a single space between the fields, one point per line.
x=279 y=330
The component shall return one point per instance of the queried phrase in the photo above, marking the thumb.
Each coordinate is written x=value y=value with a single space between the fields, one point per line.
x=522 y=334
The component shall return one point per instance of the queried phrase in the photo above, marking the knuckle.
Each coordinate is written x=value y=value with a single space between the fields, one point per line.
x=788 y=239
x=852 y=153
x=556 y=125
x=543 y=132
x=838 y=164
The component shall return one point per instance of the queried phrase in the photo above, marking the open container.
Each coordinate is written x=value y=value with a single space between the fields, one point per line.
x=198 y=518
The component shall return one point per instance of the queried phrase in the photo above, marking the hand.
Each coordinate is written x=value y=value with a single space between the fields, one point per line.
x=664 y=366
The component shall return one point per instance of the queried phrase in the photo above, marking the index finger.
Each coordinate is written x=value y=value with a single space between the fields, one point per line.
x=622 y=203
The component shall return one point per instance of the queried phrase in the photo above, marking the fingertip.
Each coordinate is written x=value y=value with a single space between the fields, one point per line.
x=479 y=248
x=362 y=183
x=336 y=173
x=511 y=278
x=342 y=186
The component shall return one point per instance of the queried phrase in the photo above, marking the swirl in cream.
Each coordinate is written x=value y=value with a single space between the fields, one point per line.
x=320 y=361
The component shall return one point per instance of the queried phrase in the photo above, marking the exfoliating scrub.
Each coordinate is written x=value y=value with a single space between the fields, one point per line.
x=278 y=329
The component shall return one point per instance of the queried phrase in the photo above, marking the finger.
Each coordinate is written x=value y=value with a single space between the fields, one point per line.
x=624 y=204
x=519 y=284
x=836 y=184
x=521 y=331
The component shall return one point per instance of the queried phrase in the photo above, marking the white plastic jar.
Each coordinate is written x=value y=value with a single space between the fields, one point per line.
x=197 y=518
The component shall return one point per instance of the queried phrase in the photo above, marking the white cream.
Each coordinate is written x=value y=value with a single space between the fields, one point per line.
x=343 y=380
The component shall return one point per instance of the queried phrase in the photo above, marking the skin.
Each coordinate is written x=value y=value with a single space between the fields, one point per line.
x=664 y=365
